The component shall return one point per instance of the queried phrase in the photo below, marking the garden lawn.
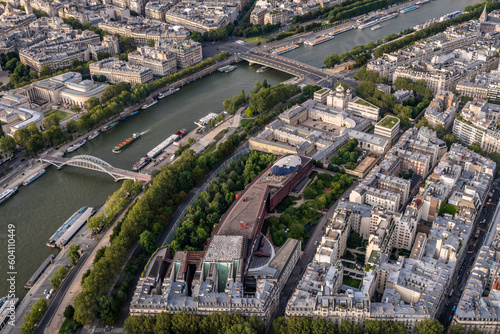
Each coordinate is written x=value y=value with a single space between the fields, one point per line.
x=60 y=114
x=355 y=283
x=255 y=39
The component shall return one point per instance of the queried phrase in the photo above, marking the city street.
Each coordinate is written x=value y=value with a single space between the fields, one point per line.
x=462 y=274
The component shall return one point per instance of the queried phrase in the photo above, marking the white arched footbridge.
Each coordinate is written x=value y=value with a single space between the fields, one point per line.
x=99 y=165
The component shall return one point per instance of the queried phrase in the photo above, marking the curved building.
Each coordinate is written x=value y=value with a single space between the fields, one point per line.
x=286 y=165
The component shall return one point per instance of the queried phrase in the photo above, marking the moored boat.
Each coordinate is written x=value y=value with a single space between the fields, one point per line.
x=141 y=163
x=147 y=105
x=34 y=177
x=409 y=9
x=74 y=147
x=93 y=135
x=284 y=49
x=109 y=126
x=230 y=68
x=5 y=195
x=168 y=93
x=318 y=40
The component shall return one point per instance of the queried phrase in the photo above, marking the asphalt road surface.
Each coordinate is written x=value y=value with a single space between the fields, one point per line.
x=463 y=273
x=56 y=300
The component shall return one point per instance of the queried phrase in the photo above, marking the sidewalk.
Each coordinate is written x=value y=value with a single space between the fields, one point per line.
x=76 y=286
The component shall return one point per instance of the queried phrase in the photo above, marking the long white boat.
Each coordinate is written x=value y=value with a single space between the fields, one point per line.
x=147 y=105
x=263 y=69
x=378 y=26
x=341 y=30
x=76 y=146
x=157 y=150
x=93 y=135
x=5 y=195
x=368 y=24
x=318 y=40
x=168 y=93
x=389 y=16
x=284 y=49
x=409 y=9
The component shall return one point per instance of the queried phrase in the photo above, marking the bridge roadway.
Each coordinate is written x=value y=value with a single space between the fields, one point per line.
x=319 y=76
x=92 y=163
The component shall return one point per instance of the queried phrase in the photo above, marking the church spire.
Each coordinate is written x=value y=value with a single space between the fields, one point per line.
x=484 y=15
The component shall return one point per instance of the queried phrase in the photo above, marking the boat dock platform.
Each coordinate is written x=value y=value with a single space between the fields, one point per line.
x=62 y=236
x=39 y=272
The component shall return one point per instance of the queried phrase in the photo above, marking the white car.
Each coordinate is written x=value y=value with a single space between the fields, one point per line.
x=48 y=296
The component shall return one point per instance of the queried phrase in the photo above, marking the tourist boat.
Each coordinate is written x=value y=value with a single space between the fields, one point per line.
x=409 y=9
x=341 y=30
x=76 y=146
x=318 y=40
x=110 y=126
x=168 y=93
x=127 y=142
x=284 y=49
x=34 y=177
x=450 y=16
x=93 y=135
x=368 y=24
x=5 y=195
x=223 y=68
x=388 y=16
x=263 y=69
x=230 y=68
x=378 y=26
x=146 y=106
x=141 y=163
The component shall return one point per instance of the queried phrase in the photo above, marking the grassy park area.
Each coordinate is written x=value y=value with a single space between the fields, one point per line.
x=60 y=114
x=255 y=39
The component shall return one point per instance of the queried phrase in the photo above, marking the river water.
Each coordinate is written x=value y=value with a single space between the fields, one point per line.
x=40 y=208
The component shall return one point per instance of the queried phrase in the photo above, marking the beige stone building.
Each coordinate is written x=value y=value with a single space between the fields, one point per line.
x=121 y=71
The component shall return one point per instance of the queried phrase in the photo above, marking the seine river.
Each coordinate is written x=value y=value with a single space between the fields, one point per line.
x=40 y=208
